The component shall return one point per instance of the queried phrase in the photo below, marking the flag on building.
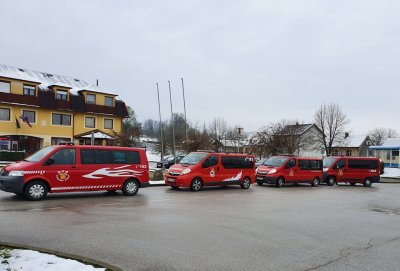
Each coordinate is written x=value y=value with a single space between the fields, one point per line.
x=17 y=123
x=26 y=120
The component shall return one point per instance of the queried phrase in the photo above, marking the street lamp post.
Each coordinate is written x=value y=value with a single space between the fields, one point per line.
x=161 y=132
x=173 y=120
x=184 y=108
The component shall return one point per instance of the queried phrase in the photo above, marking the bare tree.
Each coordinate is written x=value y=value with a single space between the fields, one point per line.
x=379 y=135
x=131 y=130
x=331 y=120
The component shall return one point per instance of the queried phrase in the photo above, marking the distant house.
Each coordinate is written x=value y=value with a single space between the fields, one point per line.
x=352 y=146
x=306 y=139
x=388 y=152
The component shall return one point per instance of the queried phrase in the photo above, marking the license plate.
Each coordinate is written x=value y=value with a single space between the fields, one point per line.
x=260 y=178
x=171 y=180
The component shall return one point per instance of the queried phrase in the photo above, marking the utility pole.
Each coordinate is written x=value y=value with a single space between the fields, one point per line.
x=161 y=132
x=173 y=120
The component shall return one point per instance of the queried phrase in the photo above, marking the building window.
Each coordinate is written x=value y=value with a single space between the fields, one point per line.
x=31 y=115
x=335 y=153
x=108 y=123
x=5 y=87
x=348 y=152
x=395 y=153
x=108 y=101
x=90 y=98
x=61 y=95
x=29 y=90
x=61 y=119
x=90 y=122
x=58 y=140
x=5 y=114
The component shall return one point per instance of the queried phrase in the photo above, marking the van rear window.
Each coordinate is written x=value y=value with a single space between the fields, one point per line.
x=363 y=164
x=237 y=162
x=109 y=157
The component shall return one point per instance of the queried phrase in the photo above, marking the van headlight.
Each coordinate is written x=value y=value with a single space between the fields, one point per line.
x=272 y=171
x=186 y=171
x=15 y=173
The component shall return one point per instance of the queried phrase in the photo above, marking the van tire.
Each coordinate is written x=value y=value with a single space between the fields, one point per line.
x=246 y=183
x=280 y=182
x=36 y=190
x=315 y=182
x=330 y=181
x=130 y=187
x=196 y=184
x=367 y=182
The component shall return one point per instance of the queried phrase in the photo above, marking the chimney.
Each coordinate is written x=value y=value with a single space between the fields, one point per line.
x=346 y=135
x=97 y=82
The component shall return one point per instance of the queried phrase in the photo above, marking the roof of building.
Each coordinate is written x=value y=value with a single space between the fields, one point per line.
x=390 y=143
x=299 y=129
x=48 y=79
x=352 y=141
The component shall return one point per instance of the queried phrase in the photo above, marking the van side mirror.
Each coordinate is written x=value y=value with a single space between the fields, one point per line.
x=49 y=162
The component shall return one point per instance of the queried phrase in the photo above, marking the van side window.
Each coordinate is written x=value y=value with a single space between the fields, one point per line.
x=363 y=164
x=109 y=157
x=237 y=162
x=291 y=163
x=211 y=161
x=341 y=164
x=64 y=157
x=304 y=164
x=316 y=164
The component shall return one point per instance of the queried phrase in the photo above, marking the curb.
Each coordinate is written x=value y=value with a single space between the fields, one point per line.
x=95 y=263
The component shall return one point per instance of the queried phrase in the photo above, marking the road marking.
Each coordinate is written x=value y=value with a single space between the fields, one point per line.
x=110 y=204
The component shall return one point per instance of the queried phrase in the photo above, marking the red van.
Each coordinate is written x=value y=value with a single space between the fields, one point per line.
x=198 y=169
x=352 y=170
x=279 y=170
x=69 y=168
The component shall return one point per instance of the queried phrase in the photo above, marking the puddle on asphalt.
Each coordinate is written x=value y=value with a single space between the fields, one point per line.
x=387 y=211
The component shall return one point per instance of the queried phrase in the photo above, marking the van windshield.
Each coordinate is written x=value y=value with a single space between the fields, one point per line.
x=275 y=161
x=328 y=162
x=193 y=158
x=37 y=156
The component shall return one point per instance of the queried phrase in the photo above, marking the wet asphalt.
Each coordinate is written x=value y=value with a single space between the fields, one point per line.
x=263 y=228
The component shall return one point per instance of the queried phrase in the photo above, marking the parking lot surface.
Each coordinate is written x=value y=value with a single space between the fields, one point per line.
x=263 y=228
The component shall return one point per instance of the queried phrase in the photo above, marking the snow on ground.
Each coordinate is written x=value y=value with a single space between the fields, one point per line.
x=391 y=173
x=28 y=260
x=153 y=157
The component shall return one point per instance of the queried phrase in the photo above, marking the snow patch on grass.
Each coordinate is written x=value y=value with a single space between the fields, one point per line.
x=28 y=260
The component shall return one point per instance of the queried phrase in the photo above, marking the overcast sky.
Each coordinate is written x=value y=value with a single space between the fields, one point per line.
x=250 y=62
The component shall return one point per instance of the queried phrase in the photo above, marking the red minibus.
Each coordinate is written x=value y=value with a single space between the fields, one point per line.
x=69 y=168
x=279 y=170
x=352 y=170
x=198 y=169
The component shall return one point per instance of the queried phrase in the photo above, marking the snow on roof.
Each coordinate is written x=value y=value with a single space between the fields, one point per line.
x=352 y=141
x=47 y=79
x=95 y=89
x=299 y=128
x=98 y=135
x=390 y=143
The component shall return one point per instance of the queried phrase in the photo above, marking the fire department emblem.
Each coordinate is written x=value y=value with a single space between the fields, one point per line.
x=212 y=173
x=62 y=175
x=340 y=173
x=291 y=173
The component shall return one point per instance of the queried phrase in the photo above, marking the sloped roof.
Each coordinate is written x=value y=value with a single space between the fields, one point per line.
x=390 y=143
x=45 y=79
x=299 y=128
x=48 y=79
x=352 y=141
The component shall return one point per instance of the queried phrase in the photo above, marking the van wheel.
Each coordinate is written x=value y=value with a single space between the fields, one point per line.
x=130 y=188
x=196 y=184
x=35 y=190
x=280 y=182
x=260 y=183
x=315 y=182
x=246 y=183
x=331 y=181
x=367 y=182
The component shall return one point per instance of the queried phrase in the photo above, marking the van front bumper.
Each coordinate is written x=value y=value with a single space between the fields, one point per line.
x=178 y=181
x=13 y=184
x=266 y=179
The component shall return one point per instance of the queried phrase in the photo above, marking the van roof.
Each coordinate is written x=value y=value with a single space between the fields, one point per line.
x=98 y=147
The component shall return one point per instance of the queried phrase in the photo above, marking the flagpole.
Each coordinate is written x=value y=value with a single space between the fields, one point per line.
x=161 y=132
x=173 y=120
x=184 y=108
